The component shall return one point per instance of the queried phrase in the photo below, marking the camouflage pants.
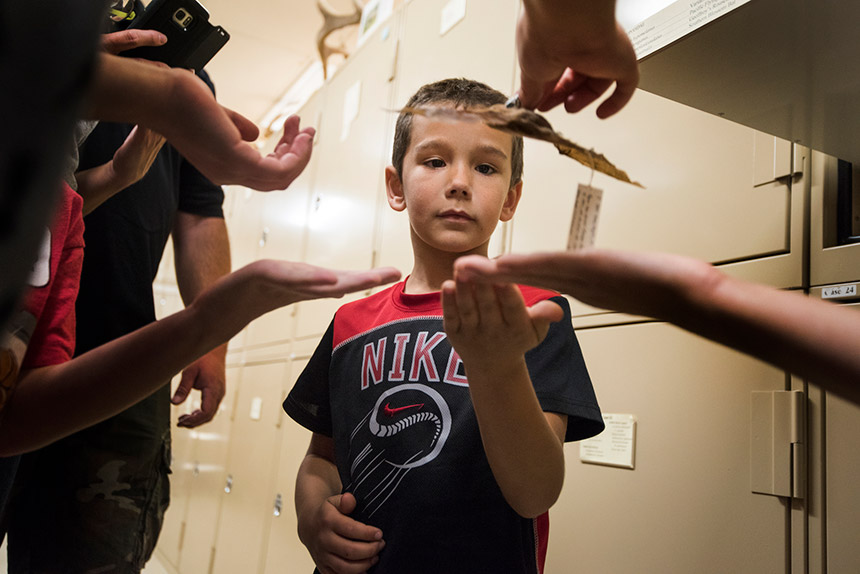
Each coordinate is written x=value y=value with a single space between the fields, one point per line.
x=94 y=502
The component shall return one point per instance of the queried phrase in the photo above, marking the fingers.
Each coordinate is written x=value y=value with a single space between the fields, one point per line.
x=352 y=281
x=532 y=92
x=450 y=311
x=248 y=130
x=209 y=401
x=556 y=92
x=117 y=42
x=347 y=503
x=542 y=315
x=345 y=545
x=623 y=93
x=185 y=385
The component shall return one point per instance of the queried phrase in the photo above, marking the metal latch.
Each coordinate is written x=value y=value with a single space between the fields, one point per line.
x=279 y=503
x=777 y=449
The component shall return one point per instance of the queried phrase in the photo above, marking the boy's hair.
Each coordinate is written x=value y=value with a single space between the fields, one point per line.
x=458 y=92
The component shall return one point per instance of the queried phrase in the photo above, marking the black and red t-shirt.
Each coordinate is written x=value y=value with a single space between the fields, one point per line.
x=390 y=390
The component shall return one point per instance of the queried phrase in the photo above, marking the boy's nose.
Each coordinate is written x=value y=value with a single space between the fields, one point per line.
x=460 y=185
x=458 y=191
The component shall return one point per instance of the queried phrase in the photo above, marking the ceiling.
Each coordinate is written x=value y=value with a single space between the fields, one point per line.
x=271 y=43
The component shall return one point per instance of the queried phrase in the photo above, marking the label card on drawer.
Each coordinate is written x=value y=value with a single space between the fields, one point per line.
x=452 y=12
x=615 y=446
x=839 y=291
x=583 y=226
x=256 y=408
x=351 y=104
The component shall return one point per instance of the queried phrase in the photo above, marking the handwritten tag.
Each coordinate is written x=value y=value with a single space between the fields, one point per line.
x=583 y=226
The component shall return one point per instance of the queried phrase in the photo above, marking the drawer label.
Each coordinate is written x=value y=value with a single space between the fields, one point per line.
x=839 y=291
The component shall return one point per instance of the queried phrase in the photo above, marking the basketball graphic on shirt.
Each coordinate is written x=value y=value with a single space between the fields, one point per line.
x=406 y=429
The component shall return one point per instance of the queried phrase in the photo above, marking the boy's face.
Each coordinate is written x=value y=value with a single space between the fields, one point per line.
x=455 y=185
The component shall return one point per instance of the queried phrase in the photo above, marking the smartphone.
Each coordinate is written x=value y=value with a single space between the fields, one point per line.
x=191 y=40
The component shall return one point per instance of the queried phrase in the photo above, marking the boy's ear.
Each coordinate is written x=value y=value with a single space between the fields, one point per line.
x=512 y=199
x=394 y=189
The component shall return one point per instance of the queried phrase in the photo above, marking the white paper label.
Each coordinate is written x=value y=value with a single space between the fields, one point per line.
x=839 y=291
x=41 y=273
x=615 y=446
x=351 y=102
x=676 y=21
x=452 y=12
x=256 y=408
x=583 y=226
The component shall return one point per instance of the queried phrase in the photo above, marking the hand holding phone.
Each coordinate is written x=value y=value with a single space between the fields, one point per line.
x=191 y=40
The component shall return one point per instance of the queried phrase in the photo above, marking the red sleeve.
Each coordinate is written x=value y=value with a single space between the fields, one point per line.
x=55 y=287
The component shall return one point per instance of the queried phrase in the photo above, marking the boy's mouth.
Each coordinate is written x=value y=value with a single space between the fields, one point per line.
x=456 y=215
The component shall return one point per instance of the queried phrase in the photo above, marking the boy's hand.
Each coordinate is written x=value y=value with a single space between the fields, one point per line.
x=490 y=325
x=339 y=544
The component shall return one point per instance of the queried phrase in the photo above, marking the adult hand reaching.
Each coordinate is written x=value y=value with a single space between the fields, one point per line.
x=811 y=338
x=181 y=107
x=265 y=285
x=571 y=52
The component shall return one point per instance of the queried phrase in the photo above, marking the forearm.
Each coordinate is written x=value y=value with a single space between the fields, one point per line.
x=202 y=253
x=120 y=84
x=202 y=256
x=98 y=184
x=524 y=452
x=813 y=339
x=52 y=402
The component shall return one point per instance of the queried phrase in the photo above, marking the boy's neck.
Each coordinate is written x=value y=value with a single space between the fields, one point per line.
x=431 y=268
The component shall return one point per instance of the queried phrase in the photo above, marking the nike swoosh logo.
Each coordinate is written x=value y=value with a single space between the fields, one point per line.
x=389 y=412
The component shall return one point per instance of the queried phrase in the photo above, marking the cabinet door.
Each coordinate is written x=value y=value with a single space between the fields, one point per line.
x=687 y=506
x=244 y=223
x=480 y=47
x=829 y=261
x=197 y=543
x=842 y=459
x=705 y=194
x=254 y=443
x=282 y=237
x=351 y=156
x=284 y=546
x=181 y=468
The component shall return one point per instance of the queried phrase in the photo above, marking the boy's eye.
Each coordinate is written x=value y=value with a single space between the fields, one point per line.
x=486 y=169
x=435 y=162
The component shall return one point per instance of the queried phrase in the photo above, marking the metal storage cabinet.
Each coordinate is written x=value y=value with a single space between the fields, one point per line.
x=197 y=543
x=479 y=47
x=285 y=552
x=842 y=435
x=282 y=231
x=715 y=190
x=687 y=506
x=833 y=523
x=254 y=442
x=351 y=157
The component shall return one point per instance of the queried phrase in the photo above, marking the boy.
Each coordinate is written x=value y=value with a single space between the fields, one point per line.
x=457 y=473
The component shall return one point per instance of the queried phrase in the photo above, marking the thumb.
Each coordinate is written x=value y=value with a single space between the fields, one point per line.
x=533 y=90
x=547 y=311
x=347 y=503
x=248 y=130
x=184 y=387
